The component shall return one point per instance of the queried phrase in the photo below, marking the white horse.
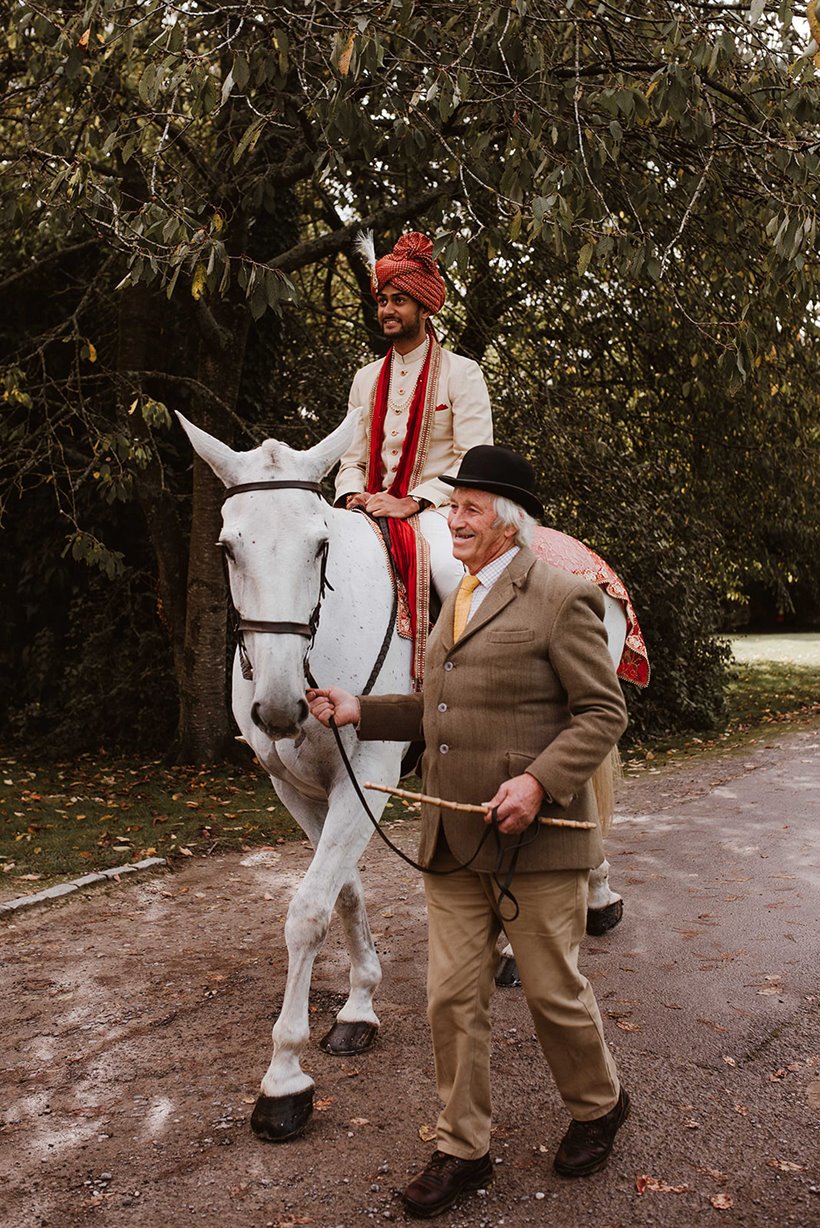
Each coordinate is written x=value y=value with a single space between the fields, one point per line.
x=281 y=539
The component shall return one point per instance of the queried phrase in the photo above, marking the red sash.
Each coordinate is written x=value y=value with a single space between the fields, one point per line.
x=405 y=540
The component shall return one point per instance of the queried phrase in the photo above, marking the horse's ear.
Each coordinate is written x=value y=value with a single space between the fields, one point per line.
x=325 y=454
x=222 y=459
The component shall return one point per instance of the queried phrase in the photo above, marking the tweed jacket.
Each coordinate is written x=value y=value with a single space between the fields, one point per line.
x=463 y=418
x=528 y=687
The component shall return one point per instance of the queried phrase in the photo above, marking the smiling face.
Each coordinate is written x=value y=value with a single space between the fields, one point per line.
x=476 y=538
x=401 y=318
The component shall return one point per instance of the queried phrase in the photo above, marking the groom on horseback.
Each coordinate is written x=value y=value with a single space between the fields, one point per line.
x=425 y=406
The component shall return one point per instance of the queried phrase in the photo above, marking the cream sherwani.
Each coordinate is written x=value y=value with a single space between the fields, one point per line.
x=463 y=419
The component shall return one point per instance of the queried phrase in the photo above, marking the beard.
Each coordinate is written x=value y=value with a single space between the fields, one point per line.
x=407 y=331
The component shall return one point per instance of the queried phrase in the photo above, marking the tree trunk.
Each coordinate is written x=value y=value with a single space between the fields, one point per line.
x=157 y=503
x=206 y=728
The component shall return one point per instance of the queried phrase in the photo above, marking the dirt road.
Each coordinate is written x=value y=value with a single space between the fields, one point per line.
x=136 y=1024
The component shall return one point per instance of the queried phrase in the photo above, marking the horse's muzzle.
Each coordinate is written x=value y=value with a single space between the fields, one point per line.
x=276 y=724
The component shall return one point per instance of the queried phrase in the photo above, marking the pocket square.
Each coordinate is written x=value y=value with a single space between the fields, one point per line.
x=438 y=407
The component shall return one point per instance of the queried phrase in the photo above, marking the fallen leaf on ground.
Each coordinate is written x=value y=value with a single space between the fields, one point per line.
x=722 y=1202
x=324 y=1103
x=777 y=1074
x=742 y=1110
x=626 y=1026
x=813 y=1094
x=427 y=1134
x=644 y=1182
x=786 y=1166
x=730 y=1061
x=359 y=1121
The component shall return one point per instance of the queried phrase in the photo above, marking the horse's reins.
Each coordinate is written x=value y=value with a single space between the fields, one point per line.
x=308 y=630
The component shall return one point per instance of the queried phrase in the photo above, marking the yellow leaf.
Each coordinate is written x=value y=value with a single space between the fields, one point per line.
x=92 y=352
x=84 y=37
x=427 y=1134
x=218 y=221
x=198 y=283
x=652 y=86
x=133 y=406
x=347 y=54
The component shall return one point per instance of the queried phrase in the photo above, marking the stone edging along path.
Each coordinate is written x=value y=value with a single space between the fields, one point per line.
x=49 y=894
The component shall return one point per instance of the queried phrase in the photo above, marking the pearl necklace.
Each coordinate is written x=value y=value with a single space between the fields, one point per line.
x=400 y=406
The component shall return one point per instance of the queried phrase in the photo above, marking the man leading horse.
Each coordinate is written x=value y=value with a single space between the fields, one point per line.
x=521 y=704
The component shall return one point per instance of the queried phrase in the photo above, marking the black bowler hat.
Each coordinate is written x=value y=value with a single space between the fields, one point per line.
x=500 y=471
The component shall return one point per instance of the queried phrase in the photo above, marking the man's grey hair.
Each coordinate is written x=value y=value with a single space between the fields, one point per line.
x=512 y=515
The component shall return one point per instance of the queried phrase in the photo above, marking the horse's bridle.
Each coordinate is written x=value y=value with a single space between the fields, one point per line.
x=308 y=629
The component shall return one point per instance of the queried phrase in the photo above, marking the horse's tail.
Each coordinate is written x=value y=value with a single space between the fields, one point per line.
x=604 y=783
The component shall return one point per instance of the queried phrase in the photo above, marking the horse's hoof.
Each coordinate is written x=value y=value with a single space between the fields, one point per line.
x=279 y=1118
x=507 y=975
x=599 y=920
x=349 y=1039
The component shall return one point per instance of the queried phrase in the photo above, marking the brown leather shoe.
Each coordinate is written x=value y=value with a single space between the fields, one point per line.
x=586 y=1145
x=443 y=1181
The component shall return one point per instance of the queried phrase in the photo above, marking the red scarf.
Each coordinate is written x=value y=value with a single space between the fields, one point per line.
x=404 y=539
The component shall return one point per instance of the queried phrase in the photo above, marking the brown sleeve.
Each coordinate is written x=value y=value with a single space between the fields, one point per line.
x=390 y=718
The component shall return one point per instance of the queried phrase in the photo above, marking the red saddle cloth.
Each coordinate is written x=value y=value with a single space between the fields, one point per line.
x=568 y=553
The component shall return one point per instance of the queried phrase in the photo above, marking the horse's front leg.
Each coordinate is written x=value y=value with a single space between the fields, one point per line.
x=357 y=1024
x=286 y=1101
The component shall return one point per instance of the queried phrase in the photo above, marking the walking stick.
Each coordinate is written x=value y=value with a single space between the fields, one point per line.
x=468 y=807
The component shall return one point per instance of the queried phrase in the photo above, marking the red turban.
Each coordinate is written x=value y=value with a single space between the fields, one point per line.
x=413 y=269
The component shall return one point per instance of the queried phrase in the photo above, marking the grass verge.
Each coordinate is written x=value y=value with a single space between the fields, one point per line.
x=763 y=698
x=60 y=820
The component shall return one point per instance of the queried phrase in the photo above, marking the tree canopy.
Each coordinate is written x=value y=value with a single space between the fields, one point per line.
x=623 y=198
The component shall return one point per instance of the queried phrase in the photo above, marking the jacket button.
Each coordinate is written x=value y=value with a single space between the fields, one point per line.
x=448 y=665
x=442 y=707
x=444 y=748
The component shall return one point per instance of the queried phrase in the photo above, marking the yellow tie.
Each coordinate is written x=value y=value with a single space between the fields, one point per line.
x=464 y=599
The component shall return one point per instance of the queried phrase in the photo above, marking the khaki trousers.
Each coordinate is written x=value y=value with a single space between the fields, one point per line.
x=464 y=924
